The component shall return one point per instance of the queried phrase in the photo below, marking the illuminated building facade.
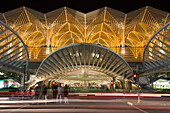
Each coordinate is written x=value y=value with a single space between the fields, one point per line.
x=125 y=34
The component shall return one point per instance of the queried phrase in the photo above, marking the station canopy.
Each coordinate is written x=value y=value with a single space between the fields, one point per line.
x=69 y=59
x=13 y=51
x=156 y=56
x=104 y=26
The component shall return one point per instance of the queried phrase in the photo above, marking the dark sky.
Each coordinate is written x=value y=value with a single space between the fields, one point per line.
x=84 y=5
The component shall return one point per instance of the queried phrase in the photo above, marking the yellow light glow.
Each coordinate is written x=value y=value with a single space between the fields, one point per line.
x=162 y=51
x=101 y=28
x=48 y=51
x=9 y=47
x=123 y=50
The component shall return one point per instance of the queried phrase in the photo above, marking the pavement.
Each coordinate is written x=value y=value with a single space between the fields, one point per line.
x=87 y=106
x=89 y=103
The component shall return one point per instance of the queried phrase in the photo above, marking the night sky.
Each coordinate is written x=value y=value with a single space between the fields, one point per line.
x=84 y=6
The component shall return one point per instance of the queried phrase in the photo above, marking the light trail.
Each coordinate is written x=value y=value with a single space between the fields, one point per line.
x=55 y=101
x=84 y=106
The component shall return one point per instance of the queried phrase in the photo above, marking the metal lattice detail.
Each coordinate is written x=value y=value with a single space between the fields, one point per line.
x=104 y=26
x=156 y=56
x=83 y=55
x=13 y=52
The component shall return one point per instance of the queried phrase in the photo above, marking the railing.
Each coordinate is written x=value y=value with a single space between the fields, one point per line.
x=128 y=53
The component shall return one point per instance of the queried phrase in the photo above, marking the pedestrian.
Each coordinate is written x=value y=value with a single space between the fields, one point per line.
x=66 y=90
x=54 y=87
x=111 y=84
x=37 y=93
x=59 y=93
x=49 y=91
x=44 y=93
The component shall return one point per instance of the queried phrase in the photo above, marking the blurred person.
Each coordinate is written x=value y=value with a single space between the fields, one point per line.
x=59 y=93
x=49 y=91
x=66 y=90
x=44 y=93
x=111 y=84
x=37 y=93
x=54 y=87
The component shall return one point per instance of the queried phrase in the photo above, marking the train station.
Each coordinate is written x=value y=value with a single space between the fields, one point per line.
x=67 y=45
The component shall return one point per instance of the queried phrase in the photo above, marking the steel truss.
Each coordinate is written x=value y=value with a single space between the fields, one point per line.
x=105 y=26
x=13 y=52
x=83 y=55
x=156 y=55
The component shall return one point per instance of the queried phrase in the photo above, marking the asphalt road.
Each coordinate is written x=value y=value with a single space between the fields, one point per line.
x=89 y=106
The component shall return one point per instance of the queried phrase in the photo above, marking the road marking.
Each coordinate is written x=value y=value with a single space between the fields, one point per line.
x=126 y=99
x=131 y=104
x=14 y=110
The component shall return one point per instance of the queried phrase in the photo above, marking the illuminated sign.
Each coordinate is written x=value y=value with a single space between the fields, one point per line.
x=161 y=84
x=6 y=83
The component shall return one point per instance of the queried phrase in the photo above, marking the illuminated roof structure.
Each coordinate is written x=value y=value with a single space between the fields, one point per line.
x=104 y=26
x=13 y=52
x=156 y=56
x=83 y=55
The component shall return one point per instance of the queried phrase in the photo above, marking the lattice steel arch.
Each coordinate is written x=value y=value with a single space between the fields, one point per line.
x=156 y=55
x=83 y=55
x=104 y=26
x=13 y=51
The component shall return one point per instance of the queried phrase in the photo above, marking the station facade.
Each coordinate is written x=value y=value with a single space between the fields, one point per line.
x=105 y=40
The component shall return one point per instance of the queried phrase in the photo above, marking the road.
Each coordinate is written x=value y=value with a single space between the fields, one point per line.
x=87 y=105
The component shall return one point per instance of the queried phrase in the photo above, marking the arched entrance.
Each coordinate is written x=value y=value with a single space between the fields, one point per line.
x=83 y=59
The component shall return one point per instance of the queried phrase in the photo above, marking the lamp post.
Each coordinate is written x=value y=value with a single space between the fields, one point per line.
x=137 y=72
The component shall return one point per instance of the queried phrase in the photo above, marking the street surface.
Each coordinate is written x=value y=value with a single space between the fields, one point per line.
x=87 y=105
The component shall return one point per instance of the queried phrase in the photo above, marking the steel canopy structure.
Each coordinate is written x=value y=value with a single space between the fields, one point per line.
x=156 y=56
x=83 y=55
x=100 y=40
x=124 y=33
x=13 y=52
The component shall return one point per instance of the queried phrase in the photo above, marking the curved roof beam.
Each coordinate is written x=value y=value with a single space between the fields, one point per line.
x=156 y=57
x=13 y=51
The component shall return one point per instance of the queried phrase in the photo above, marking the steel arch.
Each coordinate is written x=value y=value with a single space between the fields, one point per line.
x=156 y=55
x=13 y=51
x=83 y=55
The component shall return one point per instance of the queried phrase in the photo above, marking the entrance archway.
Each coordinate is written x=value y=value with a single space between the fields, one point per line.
x=83 y=56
